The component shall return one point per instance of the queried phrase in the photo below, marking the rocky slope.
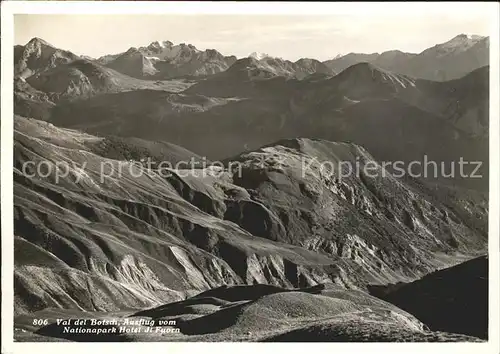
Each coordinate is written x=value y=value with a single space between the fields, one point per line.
x=31 y=102
x=37 y=56
x=445 y=61
x=137 y=241
x=108 y=234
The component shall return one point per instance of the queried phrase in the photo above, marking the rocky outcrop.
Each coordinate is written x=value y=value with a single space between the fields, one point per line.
x=164 y=60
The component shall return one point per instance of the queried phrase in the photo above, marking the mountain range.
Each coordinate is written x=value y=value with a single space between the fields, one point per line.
x=445 y=61
x=361 y=104
x=277 y=249
x=163 y=60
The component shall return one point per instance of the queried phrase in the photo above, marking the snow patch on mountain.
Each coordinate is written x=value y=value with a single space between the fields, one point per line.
x=462 y=42
x=259 y=56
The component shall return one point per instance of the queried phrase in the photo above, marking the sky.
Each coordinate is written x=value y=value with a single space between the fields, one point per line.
x=287 y=36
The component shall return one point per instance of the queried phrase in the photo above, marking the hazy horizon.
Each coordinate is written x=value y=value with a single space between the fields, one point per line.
x=292 y=36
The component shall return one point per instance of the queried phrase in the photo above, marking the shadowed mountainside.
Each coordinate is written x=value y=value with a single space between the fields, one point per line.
x=452 y=300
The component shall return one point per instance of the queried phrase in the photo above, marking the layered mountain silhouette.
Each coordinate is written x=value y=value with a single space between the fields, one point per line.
x=133 y=217
x=249 y=105
x=446 y=61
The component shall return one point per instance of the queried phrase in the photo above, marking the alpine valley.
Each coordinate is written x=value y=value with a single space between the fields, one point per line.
x=282 y=249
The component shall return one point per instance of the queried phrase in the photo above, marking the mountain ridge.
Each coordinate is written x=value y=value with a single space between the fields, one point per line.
x=445 y=61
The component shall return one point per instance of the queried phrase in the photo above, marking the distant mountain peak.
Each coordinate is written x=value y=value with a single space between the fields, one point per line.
x=164 y=59
x=307 y=60
x=259 y=56
x=131 y=50
x=37 y=56
x=38 y=41
x=461 y=41
x=469 y=36
x=187 y=45
x=362 y=66
x=371 y=73
x=162 y=44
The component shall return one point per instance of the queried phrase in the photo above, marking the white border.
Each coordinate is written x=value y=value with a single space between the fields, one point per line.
x=248 y=7
x=9 y=8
